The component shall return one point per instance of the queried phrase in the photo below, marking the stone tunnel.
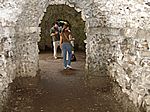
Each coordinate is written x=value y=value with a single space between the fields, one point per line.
x=117 y=41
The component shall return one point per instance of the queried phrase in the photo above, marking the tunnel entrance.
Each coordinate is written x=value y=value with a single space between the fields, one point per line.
x=62 y=12
x=113 y=40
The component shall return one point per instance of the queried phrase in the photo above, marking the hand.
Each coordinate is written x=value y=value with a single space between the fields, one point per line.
x=60 y=46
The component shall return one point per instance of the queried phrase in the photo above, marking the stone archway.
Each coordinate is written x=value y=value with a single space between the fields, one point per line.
x=62 y=12
x=29 y=67
x=27 y=33
x=110 y=36
x=117 y=40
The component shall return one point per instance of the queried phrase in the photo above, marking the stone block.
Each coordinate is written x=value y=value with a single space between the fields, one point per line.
x=1 y=63
x=147 y=100
x=143 y=34
x=1 y=48
x=145 y=53
x=128 y=32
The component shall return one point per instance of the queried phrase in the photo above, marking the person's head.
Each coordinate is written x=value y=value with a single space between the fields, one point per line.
x=65 y=27
x=68 y=28
x=56 y=25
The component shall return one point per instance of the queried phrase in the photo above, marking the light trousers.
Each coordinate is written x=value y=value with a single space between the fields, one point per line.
x=55 y=45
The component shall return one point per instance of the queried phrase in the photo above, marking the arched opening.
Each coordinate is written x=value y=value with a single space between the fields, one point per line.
x=62 y=12
x=114 y=40
x=77 y=26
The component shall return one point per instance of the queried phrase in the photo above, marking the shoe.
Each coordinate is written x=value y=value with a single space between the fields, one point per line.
x=55 y=57
x=65 y=68
x=68 y=66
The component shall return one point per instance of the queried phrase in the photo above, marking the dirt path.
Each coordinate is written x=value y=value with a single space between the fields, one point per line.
x=58 y=90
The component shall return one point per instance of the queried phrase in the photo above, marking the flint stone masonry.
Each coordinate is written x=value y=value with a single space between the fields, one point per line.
x=118 y=41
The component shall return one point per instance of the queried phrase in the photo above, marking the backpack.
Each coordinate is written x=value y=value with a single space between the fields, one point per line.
x=73 y=57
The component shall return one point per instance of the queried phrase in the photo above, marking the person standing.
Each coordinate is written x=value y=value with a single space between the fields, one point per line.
x=55 y=34
x=65 y=38
x=73 y=58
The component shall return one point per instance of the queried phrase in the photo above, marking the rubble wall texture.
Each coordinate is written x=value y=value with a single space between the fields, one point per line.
x=118 y=42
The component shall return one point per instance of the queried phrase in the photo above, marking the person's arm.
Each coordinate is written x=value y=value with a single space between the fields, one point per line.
x=71 y=38
x=61 y=40
x=53 y=32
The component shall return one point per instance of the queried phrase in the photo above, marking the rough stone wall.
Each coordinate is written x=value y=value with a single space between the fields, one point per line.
x=118 y=44
x=9 y=10
x=130 y=64
x=27 y=36
x=117 y=41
